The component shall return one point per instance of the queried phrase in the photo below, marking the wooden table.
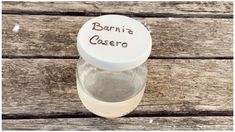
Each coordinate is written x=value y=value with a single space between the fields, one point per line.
x=189 y=83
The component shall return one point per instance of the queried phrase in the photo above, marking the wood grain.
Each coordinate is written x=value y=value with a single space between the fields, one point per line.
x=40 y=94
x=131 y=8
x=139 y=123
x=43 y=36
x=47 y=86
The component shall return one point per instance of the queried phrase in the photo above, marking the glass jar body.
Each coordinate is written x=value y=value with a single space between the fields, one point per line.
x=110 y=94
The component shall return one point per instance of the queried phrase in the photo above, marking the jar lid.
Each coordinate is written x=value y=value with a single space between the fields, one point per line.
x=114 y=42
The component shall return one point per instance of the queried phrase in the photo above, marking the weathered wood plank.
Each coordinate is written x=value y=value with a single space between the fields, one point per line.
x=148 y=8
x=48 y=86
x=138 y=123
x=174 y=37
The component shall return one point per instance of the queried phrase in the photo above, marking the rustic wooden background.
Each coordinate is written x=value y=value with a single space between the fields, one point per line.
x=190 y=68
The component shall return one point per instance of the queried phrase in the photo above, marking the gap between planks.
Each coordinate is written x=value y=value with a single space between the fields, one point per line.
x=77 y=57
x=133 y=114
x=156 y=15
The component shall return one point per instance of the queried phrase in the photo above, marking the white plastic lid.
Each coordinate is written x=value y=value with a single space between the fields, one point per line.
x=114 y=42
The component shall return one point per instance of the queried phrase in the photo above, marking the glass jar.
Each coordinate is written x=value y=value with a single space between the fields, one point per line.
x=112 y=71
x=110 y=94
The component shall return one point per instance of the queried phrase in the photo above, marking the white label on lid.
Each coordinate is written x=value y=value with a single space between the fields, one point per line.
x=114 y=42
x=94 y=40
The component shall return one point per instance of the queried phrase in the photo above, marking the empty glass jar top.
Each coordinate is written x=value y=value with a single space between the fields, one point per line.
x=110 y=86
